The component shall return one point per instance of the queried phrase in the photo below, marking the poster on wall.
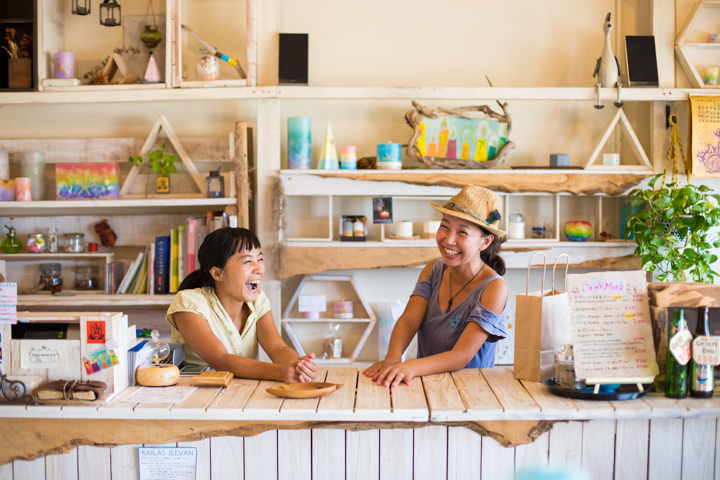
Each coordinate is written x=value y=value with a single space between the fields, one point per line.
x=704 y=136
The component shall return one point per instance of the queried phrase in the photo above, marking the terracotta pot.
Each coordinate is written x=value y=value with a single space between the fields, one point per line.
x=20 y=72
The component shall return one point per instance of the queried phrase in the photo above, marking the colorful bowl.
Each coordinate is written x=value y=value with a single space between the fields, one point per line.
x=578 y=231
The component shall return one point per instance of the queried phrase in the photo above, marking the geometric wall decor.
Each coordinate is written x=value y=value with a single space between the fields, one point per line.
x=640 y=156
x=692 y=49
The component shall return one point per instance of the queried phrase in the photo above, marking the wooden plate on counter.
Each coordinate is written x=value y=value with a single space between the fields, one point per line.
x=304 y=390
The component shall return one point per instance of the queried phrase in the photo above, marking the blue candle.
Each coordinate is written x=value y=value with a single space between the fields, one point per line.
x=389 y=156
x=299 y=143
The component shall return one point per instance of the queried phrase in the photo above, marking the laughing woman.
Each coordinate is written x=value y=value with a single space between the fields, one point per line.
x=220 y=314
x=458 y=305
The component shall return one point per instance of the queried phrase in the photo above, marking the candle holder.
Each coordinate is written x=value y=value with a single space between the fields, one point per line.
x=110 y=13
x=353 y=228
x=81 y=7
x=215 y=185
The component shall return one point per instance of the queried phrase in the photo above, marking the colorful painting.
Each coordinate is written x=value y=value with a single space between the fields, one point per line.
x=452 y=137
x=87 y=181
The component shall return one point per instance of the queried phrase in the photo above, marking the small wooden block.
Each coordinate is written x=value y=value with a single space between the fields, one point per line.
x=212 y=379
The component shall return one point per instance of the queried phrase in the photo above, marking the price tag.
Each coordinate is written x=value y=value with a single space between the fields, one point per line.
x=706 y=350
x=680 y=346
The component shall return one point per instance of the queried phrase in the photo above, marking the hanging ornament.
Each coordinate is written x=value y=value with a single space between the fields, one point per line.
x=152 y=73
x=110 y=13
x=81 y=7
x=151 y=36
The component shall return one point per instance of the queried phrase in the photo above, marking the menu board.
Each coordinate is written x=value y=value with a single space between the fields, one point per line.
x=611 y=329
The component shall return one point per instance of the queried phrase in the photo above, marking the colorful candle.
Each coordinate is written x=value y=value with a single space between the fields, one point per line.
x=344 y=309
x=452 y=147
x=389 y=156
x=7 y=190
x=23 y=189
x=432 y=148
x=32 y=165
x=465 y=155
x=64 y=65
x=421 y=142
x=444 y=133
x=480 y=151
x=348 y=157
x=299 y=143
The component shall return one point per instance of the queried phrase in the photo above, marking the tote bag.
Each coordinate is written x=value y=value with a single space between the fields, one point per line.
x=542 y=322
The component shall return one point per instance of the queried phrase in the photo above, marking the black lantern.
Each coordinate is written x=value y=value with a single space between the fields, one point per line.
x=110 y=13
x=81 y=7
x=215 y=185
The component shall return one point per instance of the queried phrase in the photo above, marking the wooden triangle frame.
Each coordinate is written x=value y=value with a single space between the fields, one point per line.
x=640 y=155
x=163 y=123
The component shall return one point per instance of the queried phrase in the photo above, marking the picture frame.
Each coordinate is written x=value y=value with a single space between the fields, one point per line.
x=474 y=137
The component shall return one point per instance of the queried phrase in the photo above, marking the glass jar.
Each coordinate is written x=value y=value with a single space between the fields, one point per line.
x=565 y=369
x=51 y=276
x=516 y=226
x=35 y=243
x=74 y=242
x=51 y=240
x=208 y=66
x=87 y=277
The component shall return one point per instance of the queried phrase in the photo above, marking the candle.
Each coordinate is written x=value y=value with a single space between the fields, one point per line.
x=430 y=228
x=404 y=229
x=4 y=164
x=299 y=143
x=311 y=315
x=344 y=309
x=23 y=189
x=7 y=190
x=64 y=65
x=711 y=75
x=359 y=228
x=389 y=156
x=348 y=158
x=32 y=165
x=347 y=228
x=442 y=148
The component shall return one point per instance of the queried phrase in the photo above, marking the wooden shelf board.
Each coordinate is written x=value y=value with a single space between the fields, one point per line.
x=577 y=182
x=144 y=205
x=107 y=256
x=508 y=246
x=92 y=299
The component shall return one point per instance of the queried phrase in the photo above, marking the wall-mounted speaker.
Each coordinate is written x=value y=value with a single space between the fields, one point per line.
x=293 y=59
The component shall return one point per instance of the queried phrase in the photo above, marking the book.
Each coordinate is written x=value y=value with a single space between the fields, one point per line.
x=162 y=265
x=191 y=232
x=135 y=361
x=182 y=252
x=151 y=270
x=140 y=283
x=200 y=235
x=131 y=274
x=173 y=260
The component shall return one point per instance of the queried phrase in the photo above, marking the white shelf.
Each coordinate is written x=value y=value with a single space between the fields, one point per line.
x=327 y=319
x=510 y=244
x=107 y=256
x=93 y=207
x=92 y=299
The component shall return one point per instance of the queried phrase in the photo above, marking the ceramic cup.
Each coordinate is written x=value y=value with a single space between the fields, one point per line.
x=710 y=76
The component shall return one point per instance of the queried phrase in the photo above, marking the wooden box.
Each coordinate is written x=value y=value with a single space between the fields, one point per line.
x=116 y=328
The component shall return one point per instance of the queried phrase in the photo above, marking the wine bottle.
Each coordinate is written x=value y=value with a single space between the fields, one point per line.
x=675 y=374
x=702 y=377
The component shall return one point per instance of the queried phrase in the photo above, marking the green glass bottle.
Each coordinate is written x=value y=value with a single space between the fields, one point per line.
x=11 y=244
x=675 y=374
x=702 y=377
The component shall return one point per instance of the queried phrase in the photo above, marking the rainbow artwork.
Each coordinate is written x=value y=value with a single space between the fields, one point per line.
x=87 y=181
x=479 y=139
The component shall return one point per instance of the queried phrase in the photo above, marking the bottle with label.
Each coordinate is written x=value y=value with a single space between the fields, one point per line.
x=676 y=374
x=702 y=377
x=52 y=240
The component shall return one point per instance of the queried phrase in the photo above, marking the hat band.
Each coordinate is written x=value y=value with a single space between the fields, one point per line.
x=459 y=208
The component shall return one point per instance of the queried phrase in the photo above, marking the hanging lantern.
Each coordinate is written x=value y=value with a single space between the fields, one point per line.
x=151 y=36
x=81 y=7
x=110 y=13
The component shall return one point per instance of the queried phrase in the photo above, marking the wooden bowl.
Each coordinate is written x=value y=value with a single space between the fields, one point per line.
x=161 y=375
x=304 y=390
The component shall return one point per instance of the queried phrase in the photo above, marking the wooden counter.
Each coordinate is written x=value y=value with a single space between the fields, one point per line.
x=358 y=420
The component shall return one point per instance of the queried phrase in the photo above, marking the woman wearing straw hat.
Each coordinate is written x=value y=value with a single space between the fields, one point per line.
x=458 y=306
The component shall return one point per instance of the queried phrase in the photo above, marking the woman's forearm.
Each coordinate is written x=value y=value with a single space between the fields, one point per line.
x=402 y=335
x=442 y=362
x=283 y=355
x=248 y=368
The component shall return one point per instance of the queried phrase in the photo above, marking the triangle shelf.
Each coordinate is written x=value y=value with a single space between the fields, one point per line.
x=621 y=118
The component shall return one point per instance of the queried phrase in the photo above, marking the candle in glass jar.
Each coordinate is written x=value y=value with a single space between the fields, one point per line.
x=347 y=228
x=299 y=143
x=344 y=309
x=23 y=189
x=389 y=156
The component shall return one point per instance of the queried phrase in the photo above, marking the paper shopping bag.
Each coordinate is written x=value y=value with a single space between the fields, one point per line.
x=542 y=323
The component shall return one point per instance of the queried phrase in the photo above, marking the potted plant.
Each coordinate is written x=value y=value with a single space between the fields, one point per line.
x=20 y=61
x=161 y=163
x=676 y=230
x=612 y=158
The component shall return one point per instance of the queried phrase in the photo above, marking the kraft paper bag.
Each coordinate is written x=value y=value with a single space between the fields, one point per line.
x=542 y=322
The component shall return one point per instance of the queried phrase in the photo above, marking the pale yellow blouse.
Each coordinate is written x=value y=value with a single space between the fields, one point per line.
x=203 y=302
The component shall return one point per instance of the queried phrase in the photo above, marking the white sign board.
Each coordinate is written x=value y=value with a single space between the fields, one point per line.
x=43 y=353
x=312 y=303
x=167 y=463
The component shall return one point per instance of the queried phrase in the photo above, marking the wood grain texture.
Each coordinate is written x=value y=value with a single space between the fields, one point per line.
x=328 y=453
x=304 y=405
x=430 y=462
x=62 y=467
x=396 y=454
x=631 y=449
x=371 y=398
x=262 y=401
x=698 y=448
x=547 y=401
x=342 y=400
x=295 y=455
x=497 y=461
x=94 y=463
x=684 y=294
x=32 y=470
x=235 y=396
x=475 y=391
x=261 y=456
x=533 y=455
x=598 y=446
x=565 y=445
x=197 y=402
x=124 y=462
x=442 y=396
x=362 y=457
x=464 y=454
x=409 y=402
x=226 y=458
x=509 y=392
x=664 y=435
x=202 y=471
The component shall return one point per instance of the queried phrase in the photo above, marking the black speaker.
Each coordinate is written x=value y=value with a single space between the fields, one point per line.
x=641 y=61
x=293 y=59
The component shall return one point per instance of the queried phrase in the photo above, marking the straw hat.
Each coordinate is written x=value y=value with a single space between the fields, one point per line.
x=477 y=205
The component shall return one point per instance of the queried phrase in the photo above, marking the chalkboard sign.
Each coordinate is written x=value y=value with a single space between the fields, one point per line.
x=612 y=333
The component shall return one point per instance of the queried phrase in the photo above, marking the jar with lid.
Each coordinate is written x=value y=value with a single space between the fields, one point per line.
x=516 y=226
x=87 y=277
x=565 y=369
x=208 y=66
x=51 y=276
x=35 y=243
x=74 y=242
x=51 y=240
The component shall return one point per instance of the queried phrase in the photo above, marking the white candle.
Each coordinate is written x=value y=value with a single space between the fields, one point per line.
x=359 y=229
x=430 y=228
x=403 y=228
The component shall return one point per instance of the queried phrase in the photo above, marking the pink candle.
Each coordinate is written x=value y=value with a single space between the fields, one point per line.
x=344 y=309
x=23 y=189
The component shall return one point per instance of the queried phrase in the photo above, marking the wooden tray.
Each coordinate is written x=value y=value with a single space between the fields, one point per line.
x=304 y=390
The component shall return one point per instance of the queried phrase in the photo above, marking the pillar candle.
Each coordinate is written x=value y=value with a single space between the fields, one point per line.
x=32 y=166
x=344 y=309
x=64 y=65
x=4 y=164
x=359 y=229
x=23 y=189
x=430 y=228
x=7 y=190
x=403 y=229
x=348 y=157
x=299 y=143
x=347 y=228
x=389 y=156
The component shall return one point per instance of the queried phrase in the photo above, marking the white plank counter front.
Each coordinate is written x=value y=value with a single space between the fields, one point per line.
x=489 y=425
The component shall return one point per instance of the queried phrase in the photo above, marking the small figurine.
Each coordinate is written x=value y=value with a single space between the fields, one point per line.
x=107 y=236
x=605 y=236
x=607 y=68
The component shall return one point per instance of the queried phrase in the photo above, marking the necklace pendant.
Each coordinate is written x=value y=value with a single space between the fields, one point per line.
x=447 y=310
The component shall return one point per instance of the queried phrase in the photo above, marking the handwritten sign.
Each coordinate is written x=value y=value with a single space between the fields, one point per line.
x=611 y=326
x=167 y=463
x=159 y=395
x=8 y=303
x=312 y=303
x=42 y=354
x=706 y=350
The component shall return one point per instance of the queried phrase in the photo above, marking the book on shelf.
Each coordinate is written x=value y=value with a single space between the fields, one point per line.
x=200 y=235
x=173 y=260
x=151 y=270
x=192 y=225
x=215 y=221
x=134 y=361
x=162 y=265
x=130 y=276
x=140 y=284
x=182 y=253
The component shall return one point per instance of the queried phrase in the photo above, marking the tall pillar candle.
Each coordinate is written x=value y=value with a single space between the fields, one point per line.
x=4 y=164
x=64 y=65
x=404 y=229
x=32 y=166
x=430 y=228
x=348 y=157
x=389 y=156
x=299 y=143
x=23 y=189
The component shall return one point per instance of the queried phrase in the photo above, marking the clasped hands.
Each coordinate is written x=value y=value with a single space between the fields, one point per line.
x=301 y=369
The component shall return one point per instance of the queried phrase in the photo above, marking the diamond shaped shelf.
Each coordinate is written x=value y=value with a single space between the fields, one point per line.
x=334 y=287
x=691 y=48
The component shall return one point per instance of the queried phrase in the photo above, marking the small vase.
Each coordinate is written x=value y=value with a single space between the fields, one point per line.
x=19 y=72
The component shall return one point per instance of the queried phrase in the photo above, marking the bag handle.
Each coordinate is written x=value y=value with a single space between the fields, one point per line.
x=567 y=264
x=527 y=281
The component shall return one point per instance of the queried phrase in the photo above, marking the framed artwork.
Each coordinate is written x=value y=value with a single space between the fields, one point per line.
x=87 y=181
x=466 y=137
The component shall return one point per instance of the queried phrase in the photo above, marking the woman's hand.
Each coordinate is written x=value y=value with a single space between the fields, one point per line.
x=395 y=373
x=301 y=370
x=374 y=371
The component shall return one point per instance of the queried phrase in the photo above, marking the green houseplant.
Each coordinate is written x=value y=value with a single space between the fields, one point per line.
x=161 y=163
